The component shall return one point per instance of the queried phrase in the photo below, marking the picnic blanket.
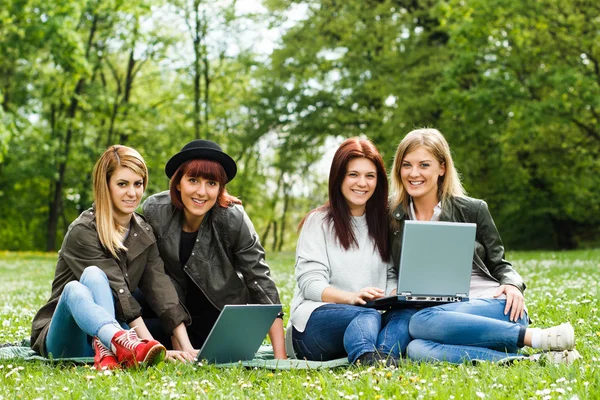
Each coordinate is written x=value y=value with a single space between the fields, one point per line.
x=23 y=351
x=262 y=359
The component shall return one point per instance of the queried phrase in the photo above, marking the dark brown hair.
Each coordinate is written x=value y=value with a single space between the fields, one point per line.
x=337 y=209
x=206 y=169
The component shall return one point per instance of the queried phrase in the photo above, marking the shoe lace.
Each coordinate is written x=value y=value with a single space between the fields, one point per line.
x=129 y=340
x=103 y=350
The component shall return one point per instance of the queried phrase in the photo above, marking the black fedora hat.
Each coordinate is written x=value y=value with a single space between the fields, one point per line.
x=202 y=149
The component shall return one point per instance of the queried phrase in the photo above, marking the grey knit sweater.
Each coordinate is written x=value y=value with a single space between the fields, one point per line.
x=321 y=262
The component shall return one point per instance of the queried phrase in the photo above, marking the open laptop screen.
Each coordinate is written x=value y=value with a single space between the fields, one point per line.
x=436 y=258
x=238 y=332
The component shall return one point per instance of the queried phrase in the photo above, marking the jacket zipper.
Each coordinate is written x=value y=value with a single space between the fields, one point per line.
x=487 y=272
x=263 y=292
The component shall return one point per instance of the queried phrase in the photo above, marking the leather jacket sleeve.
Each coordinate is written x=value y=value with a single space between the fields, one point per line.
x=249 y=260
x=493 y=257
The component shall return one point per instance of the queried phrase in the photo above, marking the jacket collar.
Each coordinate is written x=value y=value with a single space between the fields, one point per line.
x=399 y=213
x=447 y=211
x=140 y=233
x=140 y=237
x=176 y=221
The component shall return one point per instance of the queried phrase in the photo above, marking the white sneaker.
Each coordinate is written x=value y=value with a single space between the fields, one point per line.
x=557 y=357
x=561 y=337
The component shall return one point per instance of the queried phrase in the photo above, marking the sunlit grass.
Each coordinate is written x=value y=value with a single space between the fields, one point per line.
x=562 y=286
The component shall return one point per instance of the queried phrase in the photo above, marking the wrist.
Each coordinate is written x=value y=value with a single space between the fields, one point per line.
x=352 y=298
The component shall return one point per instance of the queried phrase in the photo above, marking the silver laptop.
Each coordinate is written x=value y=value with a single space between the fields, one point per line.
x=435 y=264
x=238 y=332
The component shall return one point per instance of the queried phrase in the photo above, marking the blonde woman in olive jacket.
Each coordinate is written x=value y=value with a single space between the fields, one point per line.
x=107 y=253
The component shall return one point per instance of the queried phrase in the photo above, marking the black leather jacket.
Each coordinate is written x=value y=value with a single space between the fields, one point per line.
x=489 y=250
x=227 y=262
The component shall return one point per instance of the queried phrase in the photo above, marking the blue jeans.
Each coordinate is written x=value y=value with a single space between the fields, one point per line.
x=338 y=330
x=84 y=307
x=459 y=332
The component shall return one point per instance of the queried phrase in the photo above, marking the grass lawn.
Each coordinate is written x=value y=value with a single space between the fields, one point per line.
x=562 y=286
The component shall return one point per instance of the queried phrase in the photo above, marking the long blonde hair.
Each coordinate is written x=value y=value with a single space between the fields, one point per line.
x=432 y=140
x=109 y=232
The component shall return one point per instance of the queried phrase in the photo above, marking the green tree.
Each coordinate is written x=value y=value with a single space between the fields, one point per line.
x=521 y=102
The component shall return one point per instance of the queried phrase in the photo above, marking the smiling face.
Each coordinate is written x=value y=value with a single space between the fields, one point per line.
x=420 y=173
x=198 y=196
x=359 y=184
x=126 y=190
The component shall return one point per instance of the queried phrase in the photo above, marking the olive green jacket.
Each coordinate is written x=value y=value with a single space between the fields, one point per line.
x=227 y=262
x=489 y=250
x=141 y=266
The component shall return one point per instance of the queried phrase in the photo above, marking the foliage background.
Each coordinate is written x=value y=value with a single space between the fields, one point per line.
x=514 y=85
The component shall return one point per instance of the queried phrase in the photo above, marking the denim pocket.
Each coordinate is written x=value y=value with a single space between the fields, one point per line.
x=323 y=349
x=301 y=350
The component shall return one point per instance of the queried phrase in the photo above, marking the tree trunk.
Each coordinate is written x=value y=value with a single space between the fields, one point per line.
x=6 y=92
x=114 y=112
x=207 y=134
x=125 y=88
x=197 y=69
x=265 y=234
x=565 y=238
x=275 y=236
x=250 y=163
x=55 y=206
x=286 y=203
x=272 y=207
x=129 y=78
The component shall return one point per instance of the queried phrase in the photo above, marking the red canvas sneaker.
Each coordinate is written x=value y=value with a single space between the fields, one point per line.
x=103 y=357
x=133 y=351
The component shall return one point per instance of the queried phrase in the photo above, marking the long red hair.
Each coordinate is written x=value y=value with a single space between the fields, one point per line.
x=206 y=169
x=337 y=209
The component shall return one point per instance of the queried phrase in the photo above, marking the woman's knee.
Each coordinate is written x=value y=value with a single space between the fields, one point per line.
x=364 y=327
x=369 y=320
x=93 y=274
x=418 y=320
x=74 y=289
x=369 y=313
x=417 y=349
x=70 y=287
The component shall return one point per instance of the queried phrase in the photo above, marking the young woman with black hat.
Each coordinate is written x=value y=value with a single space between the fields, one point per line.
x=208 y=243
